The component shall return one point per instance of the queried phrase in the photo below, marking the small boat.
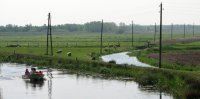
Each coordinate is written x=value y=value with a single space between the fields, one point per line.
x=34 y=77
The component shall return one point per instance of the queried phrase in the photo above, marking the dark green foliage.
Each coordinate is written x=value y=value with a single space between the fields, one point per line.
x=141 y=47
x=93 y=55
x=13 y=46
x=112 y=62
x=93 y=58
x=93 y=26
x=104 y=70
x=150 y=79
x=122 y=28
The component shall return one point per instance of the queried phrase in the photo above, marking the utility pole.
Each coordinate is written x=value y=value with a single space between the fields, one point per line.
x=49 y=34
x=184 y=30
x=47 y=47
x=160 y=47
x=132 y=33
x=193 y=30
x=155 y=34
x=101 y=36
x=172 y=30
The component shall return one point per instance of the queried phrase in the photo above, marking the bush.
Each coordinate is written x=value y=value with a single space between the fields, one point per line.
x=104 y=70
x=14 y=45
x=92 y=54
x=112 y=62
x=106 y=50
x=93 y=58
x=150 y=79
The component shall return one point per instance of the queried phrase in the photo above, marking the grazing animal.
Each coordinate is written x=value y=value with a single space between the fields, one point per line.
x=59 y=51
x=69 y=54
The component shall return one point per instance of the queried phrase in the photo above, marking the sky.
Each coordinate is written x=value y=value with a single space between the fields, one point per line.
x=145 y=12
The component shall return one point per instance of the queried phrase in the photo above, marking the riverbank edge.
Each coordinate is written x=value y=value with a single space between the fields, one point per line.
x=182 y=84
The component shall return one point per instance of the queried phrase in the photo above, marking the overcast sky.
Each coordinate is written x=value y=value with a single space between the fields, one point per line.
x=21 y=12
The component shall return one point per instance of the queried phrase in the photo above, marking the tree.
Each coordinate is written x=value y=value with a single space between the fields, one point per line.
x=121 y=28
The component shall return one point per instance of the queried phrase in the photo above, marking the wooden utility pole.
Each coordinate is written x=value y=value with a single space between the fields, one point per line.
x=172 y=30
x=155 y=34
x=160 y=47
x=184 y=30
x=47 y=47
x=49 y=34
x=132 y=33
x=101 y=36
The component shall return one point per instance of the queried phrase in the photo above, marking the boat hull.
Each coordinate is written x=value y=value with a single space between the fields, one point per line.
x=34 y=77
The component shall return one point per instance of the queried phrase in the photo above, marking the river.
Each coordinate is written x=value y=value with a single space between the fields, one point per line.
x=123 y=58
x=69 y=86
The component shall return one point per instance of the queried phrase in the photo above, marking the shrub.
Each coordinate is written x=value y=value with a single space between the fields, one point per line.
x=104 y=70
x=93 y=58
x=92 y=54
x=106 y=50
x=14 y=45
x=112 y=62
x=150 y=79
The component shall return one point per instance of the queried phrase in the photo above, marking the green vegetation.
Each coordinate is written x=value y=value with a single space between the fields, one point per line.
x=94 y=26
x=182 y=81
x=185 y=56
x=171 y=81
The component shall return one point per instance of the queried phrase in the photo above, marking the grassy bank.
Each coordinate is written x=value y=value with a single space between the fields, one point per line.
x=181 y=84
x=180 y=54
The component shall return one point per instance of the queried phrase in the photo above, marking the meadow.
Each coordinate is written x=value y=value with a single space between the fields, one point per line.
x=180 y=80
x=81 y=45
x=85 y=46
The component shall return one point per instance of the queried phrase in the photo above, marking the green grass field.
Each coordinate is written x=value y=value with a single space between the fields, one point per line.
x=81 y=45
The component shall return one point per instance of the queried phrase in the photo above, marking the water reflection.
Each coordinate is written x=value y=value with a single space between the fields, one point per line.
x=151 y=89
x=0 y=68
x=96 y=79
x=50 y=89
x=34 y=84
x=1 y=96
x=74 y=86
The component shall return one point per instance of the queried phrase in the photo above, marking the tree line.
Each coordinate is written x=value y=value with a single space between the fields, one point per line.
x=95 y=26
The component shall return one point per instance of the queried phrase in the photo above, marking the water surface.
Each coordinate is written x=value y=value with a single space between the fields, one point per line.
x=69 y=86
x=123 y=58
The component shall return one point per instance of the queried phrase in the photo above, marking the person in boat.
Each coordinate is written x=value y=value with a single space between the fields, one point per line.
x=27 y=73
x=33 y=70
